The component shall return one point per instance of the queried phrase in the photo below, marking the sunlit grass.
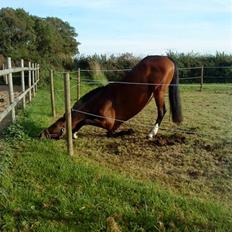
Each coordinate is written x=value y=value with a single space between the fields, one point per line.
x=144 y=187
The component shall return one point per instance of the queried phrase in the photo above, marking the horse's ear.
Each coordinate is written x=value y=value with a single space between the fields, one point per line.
x=60 y=120
x=63 y=118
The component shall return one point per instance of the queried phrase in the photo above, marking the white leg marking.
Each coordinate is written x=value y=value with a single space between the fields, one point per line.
x=153 y=131
x=75 y=135
x=156 y=128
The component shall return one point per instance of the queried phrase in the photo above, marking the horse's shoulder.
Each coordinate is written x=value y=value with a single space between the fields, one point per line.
x=91 y=94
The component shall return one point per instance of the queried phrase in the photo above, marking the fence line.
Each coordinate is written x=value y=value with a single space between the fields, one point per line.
x=68 y=110
x=139 y=83
x=32 y=85
x=201 y=78
x=106 y=70
x=220 y=67
x=129 y=69
x=8 y=71
x=144 y=125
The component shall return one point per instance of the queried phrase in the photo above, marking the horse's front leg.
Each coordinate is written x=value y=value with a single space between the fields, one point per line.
x=77 y=128
x=98 y=122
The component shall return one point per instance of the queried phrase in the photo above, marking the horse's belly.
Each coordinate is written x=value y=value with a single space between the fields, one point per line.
x=130 y=106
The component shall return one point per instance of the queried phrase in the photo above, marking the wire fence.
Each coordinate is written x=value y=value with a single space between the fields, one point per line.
x=144 y=124
x=78 y=80
x=194 y=75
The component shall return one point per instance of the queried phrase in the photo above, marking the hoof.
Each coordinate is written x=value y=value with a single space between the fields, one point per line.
x=75 y=135
x=150 y=136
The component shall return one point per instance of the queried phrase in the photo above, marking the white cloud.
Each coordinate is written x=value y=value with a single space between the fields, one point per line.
x=91 y=4
x=153 y=46
x=139 y=5
x=142 y=26
x=198 y=6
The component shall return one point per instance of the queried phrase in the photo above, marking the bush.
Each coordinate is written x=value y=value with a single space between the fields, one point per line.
x=126 y=61
x=212 y=63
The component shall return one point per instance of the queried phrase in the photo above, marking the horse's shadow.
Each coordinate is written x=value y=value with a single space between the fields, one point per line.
x=104 y=134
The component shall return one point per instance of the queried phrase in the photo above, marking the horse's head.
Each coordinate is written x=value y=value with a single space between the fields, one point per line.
x=55 y=131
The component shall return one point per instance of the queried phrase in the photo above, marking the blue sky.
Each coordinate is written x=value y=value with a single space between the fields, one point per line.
x=141 y=26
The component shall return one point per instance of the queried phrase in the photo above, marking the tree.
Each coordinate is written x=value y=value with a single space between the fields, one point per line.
x=66 y=45
x=48 y=41
x=17 y=34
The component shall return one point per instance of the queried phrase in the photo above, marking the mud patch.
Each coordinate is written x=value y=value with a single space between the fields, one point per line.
x=4 y=96
x=211 y=147
x=163 y=140
x=113 y=148
x=5 y=102
x=120 y=133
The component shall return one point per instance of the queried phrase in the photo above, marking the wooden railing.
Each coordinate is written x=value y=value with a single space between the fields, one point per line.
x=33 y=79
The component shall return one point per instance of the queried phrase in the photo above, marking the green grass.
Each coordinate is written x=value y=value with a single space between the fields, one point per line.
x=143 y=186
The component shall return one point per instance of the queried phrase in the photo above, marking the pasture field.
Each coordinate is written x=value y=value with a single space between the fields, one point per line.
x=180 y=181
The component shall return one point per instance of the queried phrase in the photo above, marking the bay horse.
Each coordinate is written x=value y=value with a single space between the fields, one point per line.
x=109 y=106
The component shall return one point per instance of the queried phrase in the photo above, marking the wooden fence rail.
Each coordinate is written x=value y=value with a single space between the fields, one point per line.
x=33 y=79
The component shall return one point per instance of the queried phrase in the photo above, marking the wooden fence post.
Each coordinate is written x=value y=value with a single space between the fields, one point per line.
x=11 y=89
x=78 y=84
x=35 y=66
x=23 y=83
x=29 y=80
x=68 y=114
x=202 y=77
x=38 y=72
x=52 y=93
x=5 y=77
x=33 y=79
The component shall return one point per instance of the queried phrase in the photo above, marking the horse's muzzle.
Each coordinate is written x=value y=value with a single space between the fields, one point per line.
x=44 y=134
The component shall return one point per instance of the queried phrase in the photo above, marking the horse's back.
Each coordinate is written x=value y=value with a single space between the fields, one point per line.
x=153 y=63
x=155 y=69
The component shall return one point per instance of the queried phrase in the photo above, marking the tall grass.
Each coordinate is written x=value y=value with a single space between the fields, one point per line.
x=42 y=189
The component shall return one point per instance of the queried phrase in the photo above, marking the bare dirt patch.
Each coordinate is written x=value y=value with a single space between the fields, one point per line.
x=161 y=140
x=182 y=162
x=5 y=102
x=4 y=96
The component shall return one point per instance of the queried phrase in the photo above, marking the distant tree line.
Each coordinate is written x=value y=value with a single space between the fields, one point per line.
x=216 y=67
x=211 y=63
x=52 y=42
x=47 y=41
x=104 y=62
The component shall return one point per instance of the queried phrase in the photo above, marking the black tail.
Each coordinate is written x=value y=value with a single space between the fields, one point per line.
x=174 y=99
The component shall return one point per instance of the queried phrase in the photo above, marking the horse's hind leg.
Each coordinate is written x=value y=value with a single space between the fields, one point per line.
x=159 y=99
x=113 y=134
